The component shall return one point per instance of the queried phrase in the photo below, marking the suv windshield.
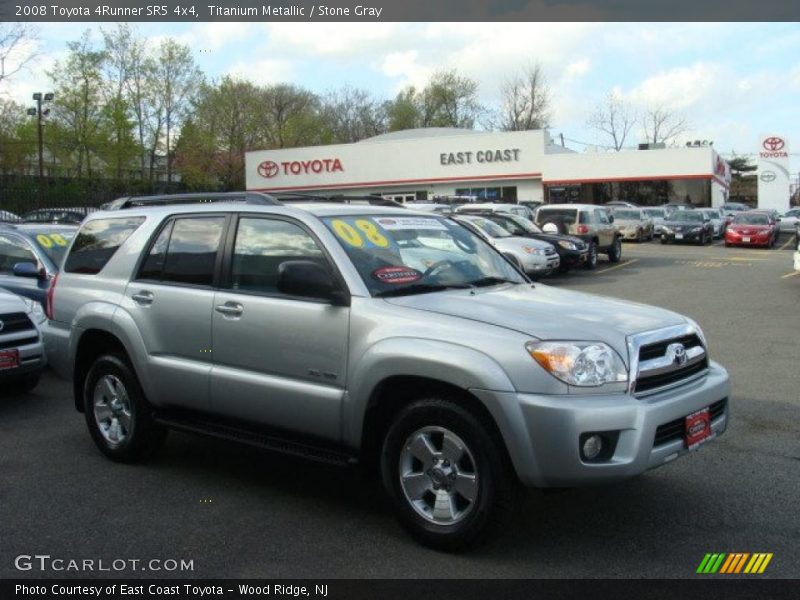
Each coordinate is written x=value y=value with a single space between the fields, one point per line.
x=656 y=213
x=398 y=255
x=689 y=216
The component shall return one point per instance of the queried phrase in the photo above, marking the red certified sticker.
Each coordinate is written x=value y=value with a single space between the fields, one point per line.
x=697 y=428
x=9 y=359
x=396 y=274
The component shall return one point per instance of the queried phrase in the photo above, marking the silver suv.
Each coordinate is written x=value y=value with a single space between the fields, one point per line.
x=592 y=223
x=379 y=335
x=22 y=355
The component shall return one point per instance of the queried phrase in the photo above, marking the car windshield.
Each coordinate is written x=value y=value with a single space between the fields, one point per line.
x=397 y=255
x=53 y=243
x=688 y=216
x=711 y=214
x=627 y=215
x=654 y=213
x=751 y=219
x=488 y=227
x=527 y=225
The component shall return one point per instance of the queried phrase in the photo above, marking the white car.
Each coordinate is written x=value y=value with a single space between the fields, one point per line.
x=717 y=220
x=535 y=257
x=788 y=220
x=515 y=209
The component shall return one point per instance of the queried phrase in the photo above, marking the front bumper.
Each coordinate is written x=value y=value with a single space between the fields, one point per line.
x=542 y=265
x=752 y=240
x=31 y=353
x=545 y=445
x=686 y=236
x=629 y=234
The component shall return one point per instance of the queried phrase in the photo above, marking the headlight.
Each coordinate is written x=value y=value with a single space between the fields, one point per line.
x=585 y=364
x=531 y=250
x=666 y=229
x=567 y=245
x=696 y=229
x=35 y=310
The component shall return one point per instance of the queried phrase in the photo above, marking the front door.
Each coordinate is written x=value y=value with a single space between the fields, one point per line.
x=278 y=360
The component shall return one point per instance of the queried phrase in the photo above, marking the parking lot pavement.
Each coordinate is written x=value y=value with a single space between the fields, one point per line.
x=241 y=512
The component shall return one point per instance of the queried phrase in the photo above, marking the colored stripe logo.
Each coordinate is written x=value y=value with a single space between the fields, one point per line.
x=734 y=563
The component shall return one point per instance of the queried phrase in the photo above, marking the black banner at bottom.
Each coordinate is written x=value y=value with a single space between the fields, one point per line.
x=441 y=589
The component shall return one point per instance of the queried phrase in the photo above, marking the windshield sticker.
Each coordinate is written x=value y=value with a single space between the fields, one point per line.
x=395 y=275
x=359 y=233
x=47 y=241
x=395 y=223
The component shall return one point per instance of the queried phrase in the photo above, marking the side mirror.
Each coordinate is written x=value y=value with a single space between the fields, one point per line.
x=311 y=280
x=27 y=269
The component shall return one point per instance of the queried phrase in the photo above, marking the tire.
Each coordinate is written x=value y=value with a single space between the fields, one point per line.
x=22 y=384
x=639 y=237
x=728 y=244
x=702 y=239
x=591 y=261
x=663 y=239
x=559 y=225
x=111 y=392
x=615 y=252
x=415 y=445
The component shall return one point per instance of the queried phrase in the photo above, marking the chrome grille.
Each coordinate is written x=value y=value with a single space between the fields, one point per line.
x=665 y=359
x=14 y=322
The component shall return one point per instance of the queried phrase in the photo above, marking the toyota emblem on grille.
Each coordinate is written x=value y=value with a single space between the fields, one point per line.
x=677 y=354
x=2 y=325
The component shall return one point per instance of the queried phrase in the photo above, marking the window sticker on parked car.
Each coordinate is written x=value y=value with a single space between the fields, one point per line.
x=395 y=223
x=47 y=241
x=360 y=233
x=396 y=275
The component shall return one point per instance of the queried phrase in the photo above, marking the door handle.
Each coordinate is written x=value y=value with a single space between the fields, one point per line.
x=230 y=309
x=143 y=297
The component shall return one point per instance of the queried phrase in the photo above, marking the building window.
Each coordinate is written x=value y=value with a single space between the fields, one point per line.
x=493 y=194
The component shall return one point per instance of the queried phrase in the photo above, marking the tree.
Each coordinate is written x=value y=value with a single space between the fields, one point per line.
x=351 y=115
x=661 y=125
x=614 y=118
x=740 y=167
x=525 y=101
x=17 y=137
x=175 y=79
x=13 y=54
x=404 y=112
x=292 y=117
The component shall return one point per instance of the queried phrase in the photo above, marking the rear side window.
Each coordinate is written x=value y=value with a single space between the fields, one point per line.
x=96 y=243
x=565 y=215
x=185 y=251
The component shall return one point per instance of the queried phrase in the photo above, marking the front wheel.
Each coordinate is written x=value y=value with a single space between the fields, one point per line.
x=615 y=252
x=591 y=257
x=446 y=475
x=117 y=413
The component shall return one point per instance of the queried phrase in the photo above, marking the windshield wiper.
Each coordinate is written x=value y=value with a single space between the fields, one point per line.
x=422 y=288
x=486 y=281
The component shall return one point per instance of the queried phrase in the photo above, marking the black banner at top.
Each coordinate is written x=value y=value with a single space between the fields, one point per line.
x=394 y=10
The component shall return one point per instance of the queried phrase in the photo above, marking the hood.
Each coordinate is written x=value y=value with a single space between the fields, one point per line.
x=554 y=238
x=547 y=313
x=11 y=302
x=744 y=227
x=516 y=243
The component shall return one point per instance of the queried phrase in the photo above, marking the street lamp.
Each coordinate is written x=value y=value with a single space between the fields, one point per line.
x=39 y=113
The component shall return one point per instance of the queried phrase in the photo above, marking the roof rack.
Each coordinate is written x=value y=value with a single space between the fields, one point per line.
x=193 y=198
x=371 y=199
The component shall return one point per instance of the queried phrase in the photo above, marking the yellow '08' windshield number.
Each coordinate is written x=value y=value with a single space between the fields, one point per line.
x=372 y=233
x=347 y=233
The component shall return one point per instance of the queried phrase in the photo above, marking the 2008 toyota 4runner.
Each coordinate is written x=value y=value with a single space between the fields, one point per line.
x=378 y=334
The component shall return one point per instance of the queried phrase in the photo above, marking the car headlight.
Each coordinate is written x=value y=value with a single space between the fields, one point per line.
x=567 y=245
x=35 y=310
x=531 y=250
x=694 y=229
x=584 y=364
x=666 y=229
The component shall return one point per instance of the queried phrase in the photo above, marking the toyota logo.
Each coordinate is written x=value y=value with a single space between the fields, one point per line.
x=268 y=169
x=2 y=325
x=677 y=354
x=768 y=176
x=773 y=144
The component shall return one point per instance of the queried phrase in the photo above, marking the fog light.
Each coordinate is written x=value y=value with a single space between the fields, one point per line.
x=592 y=447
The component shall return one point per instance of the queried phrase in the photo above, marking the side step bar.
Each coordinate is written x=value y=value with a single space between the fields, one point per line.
x=258 y=439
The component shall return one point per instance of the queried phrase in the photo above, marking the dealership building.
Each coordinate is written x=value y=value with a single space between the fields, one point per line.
x=421 y=164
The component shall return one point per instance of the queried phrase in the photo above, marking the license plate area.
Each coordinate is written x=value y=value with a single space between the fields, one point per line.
x=697 y=429
x=9 y=359
x=678 y=236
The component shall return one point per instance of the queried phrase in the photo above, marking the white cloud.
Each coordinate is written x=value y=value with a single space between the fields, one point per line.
x=264 y=72
x=341 y=40
x=578 y=68
x=678 y=88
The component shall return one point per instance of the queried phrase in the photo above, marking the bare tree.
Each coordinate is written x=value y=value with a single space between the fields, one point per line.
x=352 y=115
x=13 y=56
x=525 y=101
x=661 y=125
x=614 y=118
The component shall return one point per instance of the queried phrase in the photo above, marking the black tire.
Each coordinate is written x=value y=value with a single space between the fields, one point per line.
x=702 y=240
x=23 y=384
x=591 y=260
x=559 y=225
x=639 y=237
x=143 y=436
x=496 y=489
x=728 y=245
x=664 y=239
x=615 y=251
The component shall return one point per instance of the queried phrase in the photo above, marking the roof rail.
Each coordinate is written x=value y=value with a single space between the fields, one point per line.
x=371 y=199
x=193 y=198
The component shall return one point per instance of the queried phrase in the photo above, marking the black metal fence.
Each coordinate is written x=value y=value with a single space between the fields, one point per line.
x=23 y=193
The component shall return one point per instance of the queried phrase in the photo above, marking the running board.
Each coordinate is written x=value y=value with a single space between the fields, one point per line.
x=258 y=439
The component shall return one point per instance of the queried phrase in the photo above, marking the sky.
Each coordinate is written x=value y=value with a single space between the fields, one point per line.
x=732 y=82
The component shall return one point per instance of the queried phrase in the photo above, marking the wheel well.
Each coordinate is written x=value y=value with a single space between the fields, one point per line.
x=93 y=343
x=393 y=393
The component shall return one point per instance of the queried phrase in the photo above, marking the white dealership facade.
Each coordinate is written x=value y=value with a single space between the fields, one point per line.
x=526 y=165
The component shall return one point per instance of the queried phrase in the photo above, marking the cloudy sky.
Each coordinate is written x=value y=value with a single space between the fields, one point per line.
x=731 y=81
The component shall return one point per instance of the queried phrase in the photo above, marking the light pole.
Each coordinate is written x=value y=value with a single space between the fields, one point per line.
x=37 y=111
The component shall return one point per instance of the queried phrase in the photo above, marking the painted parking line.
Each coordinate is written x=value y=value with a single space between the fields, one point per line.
x=619 y=266
x=786 y=245
x=792 y=274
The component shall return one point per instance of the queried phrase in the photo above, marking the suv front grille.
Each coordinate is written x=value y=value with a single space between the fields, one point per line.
x=550 y=251
x=674 y=430
x=14 y=322
x=659 y=368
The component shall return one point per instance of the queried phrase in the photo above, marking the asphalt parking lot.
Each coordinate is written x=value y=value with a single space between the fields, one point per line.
x=240 y=512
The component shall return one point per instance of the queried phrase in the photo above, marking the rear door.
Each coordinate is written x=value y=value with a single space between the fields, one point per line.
x=279 y=360
x=605 y=229
x=171 y=302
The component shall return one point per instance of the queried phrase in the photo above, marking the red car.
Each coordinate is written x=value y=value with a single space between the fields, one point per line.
x=752 y=228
